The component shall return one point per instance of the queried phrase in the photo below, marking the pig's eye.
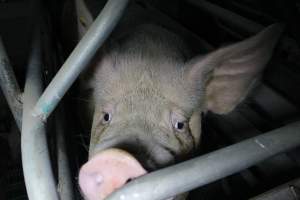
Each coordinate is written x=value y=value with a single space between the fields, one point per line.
x=179 y=122
x=179 y=126
x=106 y=118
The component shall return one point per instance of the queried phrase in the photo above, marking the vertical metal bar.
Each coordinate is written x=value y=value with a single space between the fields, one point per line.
x=9 y=86
x=39 y=179
x=180 y=178
x=65 y=187
x=80 y=57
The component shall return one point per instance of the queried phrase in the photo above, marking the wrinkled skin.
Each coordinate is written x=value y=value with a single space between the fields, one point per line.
x=149 y=93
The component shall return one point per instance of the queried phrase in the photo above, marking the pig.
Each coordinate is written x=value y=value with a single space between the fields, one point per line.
x=148 y=95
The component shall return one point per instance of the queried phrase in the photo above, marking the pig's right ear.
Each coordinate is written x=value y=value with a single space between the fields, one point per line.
x=84 y=18
x=224 y=77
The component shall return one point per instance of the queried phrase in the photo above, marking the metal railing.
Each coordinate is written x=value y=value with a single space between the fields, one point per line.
x=80 y=57
x=161 y=184
x=183 y=177
x=35 y=156
x=10 y=86
x=37 y=168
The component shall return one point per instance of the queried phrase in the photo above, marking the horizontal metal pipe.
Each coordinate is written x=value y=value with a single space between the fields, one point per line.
x=180 y=178
x=80 y=57
x=228 y=16
x=10 y=86
x=38 y=175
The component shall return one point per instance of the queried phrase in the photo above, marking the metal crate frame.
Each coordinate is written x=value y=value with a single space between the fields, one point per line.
x=161 y=184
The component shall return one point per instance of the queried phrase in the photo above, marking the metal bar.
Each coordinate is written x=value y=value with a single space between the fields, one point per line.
x=227 y=16
x=10 y=87
x=65 y=187
x=180 y=178
x=80 y=57
x=287 y=191
x=39 y=179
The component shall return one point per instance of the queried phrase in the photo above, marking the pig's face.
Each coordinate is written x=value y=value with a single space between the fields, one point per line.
x=143 y=101
x=144 y=111
x=149 y=96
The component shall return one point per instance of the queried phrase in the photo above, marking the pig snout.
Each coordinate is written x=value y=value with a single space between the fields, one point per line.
x=107 y=171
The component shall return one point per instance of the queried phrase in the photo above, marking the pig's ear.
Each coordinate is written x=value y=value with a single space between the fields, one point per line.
x=84 y=17
x=226 y=75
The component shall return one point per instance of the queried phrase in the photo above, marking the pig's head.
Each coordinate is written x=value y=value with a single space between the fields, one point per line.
x=149 y=96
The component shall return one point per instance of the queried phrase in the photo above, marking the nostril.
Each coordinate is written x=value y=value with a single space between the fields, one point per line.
x=98 y=179
x=129 y=180
x=94 y=178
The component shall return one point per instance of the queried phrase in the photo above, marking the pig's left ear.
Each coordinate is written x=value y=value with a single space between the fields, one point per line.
x=226 y=75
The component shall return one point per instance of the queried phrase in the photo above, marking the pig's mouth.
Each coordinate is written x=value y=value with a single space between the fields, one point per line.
x=143 y=155
x=107 y=171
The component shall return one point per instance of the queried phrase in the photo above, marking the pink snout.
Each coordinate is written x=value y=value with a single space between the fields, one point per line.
x=107 y=171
